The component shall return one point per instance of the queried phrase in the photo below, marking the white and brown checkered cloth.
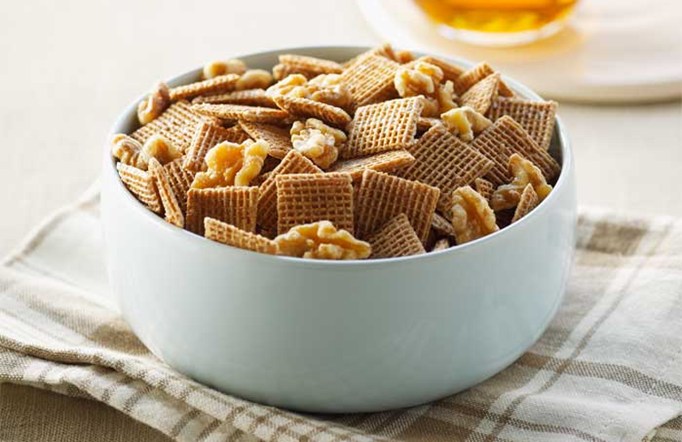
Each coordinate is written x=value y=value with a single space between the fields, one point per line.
x=608 y=368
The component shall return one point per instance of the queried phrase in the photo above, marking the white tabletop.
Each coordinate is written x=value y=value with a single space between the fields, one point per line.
x=69 y=67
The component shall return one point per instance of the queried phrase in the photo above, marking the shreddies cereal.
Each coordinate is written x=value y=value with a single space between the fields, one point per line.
x=381 y=156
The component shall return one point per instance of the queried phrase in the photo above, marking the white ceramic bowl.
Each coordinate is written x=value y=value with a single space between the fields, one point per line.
x=323 y=336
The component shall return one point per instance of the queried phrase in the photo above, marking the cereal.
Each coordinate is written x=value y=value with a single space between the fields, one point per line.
x=396 y=238
x=304 y=107
x=484 y=187
x=154 y=104
x=180 y=181
x=505 y=138
x=234 y=112
x=524 y=172
x=381 y=127
x=140 y=184
x=382 y=196
x=231 y=164
x=234 y=205
x=225 y=233
x=158 y=147
x=536 y=117
x=220 y=84
x=450 y=71
x=472 y=76
x=370 y=79
x=317 y=141
x=247 y=97
x=309 y=67
x=129 y=151
x=308 y=198
x=206 y=136
x=391 y=161
x=465 y=122
x=481 y=95
x=442 y=226
x=223 y=67
x=321 y=240
x=528 y=201
x=472 y=217
x=171 y=205
x=277 y=137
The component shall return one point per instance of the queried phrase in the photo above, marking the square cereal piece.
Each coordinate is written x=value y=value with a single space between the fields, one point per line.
x=477 y=73
x=383 y=162
x=484 y=187
x=205 y=137
x=293 y=162
x=220 y=84
x=310 y=67
x=277 y=137
x=305 y=107
x=180 y=180
x=481 y=95
x=235 y=112
x=248 y=97
x=234 y=205
x=370 y=79
x=141 y=184
x=505 y=138
x=171 y=205
x=536 y=117
x=382 y=197
x=381 y=127
x=308 y=198
x=396 y=238
x=176 y=124
x=450 y=71
x=233 y=236
x=529 y=201
x=442 y=160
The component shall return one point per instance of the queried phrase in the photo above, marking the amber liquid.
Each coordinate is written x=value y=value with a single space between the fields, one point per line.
x=505 y=16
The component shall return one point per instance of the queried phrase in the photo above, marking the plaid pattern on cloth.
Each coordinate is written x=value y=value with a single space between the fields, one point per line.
x=608 y=368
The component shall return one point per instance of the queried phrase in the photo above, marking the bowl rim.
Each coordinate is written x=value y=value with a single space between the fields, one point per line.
x=567 y=164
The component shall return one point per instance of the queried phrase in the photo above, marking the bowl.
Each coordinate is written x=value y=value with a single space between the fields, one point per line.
x=338 y=336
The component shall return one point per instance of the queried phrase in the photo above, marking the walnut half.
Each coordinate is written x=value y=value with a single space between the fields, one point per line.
x=472 y=217
x=317 y=141
x=321 y=240
x=524 y=172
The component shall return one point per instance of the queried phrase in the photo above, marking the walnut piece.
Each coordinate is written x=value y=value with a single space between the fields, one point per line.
x=223 y=67
x=465 y=122
x=321 y=240
x=160 y=148
x=422 y=78
x=129 y=151
x=472 y=217
x=254 y=79
x=154 y=104
x=231 y=164
x=317 y=141
x=325 y=88
x=524 y=172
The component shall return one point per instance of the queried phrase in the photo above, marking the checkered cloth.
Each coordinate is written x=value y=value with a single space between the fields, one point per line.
x=608 y=368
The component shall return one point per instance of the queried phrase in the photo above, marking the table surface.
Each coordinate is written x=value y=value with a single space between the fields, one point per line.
x=70 y=67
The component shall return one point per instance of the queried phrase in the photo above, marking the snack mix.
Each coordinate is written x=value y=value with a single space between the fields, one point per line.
x=381 y=156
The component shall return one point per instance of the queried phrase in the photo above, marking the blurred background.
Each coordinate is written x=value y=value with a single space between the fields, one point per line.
x=70 y=67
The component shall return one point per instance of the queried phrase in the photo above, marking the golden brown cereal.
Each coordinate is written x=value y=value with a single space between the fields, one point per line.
x=206 y=136
x=484 y=187
x=238 y=112
x=536 y=117
x=308 y=198
x=177 y=124
x=277 y=137
x=370 y=79
x=382 y=197
x=441 y=244
x=321 y=240
x=443 y=161
x=396 y=238
x=234 y=205
x=154 y=104
x=171 y=205
x=442 y=226
x=231 y=164
x=254 y=79
x=140 y=184
x=505 y=138
x=233 y=236
x=381 y=127
x=465 y=122
x=472 y=76
x=384 y=50
x=310 y=67
x=472 y=217
x=528 y=201
x=317 y=141
x=450 y=71
x=129 y=151
x=304 y=107
x=180 y=180
x=481 y=95
x=247 y=97
x=384 y=162
x=293 y=162
x=158 y=147
x=223 y=67
x=524 y=172
x=217 y=85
